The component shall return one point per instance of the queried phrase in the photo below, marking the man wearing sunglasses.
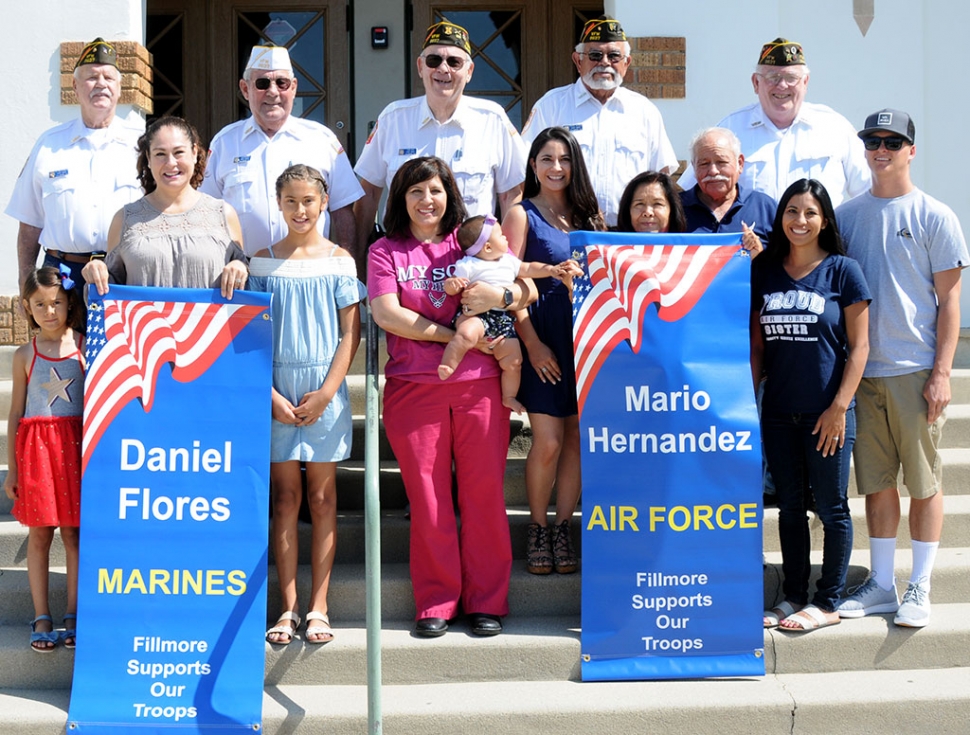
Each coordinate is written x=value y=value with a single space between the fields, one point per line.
x=472 y=135
x=912 y=250
x=784 y=138
x=620 y=131
x=246 y=157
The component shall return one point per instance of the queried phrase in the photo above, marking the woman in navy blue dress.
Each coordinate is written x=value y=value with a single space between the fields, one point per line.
x=558 y=199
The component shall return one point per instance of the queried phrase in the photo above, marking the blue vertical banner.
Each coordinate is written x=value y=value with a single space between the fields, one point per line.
x=174 y=507
x=671 y=458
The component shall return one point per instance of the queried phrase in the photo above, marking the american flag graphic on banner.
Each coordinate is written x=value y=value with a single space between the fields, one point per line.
x=128 y=342
x=621 y=281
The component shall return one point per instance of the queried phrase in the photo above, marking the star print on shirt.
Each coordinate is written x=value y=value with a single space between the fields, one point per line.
x=56 y=388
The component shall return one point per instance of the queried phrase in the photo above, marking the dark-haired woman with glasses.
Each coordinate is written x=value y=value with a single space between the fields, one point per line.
x=809 y=342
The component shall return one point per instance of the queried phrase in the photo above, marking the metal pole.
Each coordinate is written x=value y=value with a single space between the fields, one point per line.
x=372 y=530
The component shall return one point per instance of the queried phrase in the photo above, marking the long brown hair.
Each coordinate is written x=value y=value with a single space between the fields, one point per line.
x=148 y=184
x=579 y=193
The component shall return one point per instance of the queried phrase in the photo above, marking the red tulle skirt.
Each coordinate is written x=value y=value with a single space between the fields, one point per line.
x=48 y=471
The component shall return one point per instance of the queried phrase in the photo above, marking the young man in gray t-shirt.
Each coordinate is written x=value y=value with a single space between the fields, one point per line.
x=912 y=250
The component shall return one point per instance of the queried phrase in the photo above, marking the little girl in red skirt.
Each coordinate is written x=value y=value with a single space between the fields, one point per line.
x=44 y=431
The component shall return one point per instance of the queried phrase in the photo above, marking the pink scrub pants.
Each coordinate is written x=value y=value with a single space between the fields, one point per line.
x=429 y=425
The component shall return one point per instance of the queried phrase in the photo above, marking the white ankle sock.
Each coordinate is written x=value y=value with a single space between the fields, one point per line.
x=924 y=554
x=882 y=552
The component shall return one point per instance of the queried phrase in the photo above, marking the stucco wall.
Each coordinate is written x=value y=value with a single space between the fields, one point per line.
x=905 y=61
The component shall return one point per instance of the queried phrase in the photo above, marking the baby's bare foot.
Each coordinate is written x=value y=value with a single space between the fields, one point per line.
x=512 y=403
x=445 y=372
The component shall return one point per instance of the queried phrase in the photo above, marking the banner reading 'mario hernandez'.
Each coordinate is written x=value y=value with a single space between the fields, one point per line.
x=672 y=533
x=172 y=583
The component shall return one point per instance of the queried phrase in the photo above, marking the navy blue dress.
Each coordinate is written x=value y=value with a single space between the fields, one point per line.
x=552 y=317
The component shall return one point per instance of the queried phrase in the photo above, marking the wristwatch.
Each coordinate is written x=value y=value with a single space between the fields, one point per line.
x=507 y=298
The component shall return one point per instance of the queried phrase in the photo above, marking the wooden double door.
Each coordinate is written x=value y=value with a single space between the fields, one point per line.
x=200 y=47
x=521 y=49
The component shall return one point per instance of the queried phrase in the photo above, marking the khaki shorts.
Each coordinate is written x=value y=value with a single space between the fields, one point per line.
x=892 y=431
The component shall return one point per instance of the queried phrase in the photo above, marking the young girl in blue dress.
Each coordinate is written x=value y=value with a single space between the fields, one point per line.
x=44 y=450
x=316 y=331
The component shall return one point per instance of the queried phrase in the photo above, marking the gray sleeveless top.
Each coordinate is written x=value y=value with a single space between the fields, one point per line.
x=184 y=250
x=55 y=387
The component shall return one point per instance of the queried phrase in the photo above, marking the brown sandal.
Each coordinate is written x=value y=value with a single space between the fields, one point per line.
x=539 y=552
x=564 y=556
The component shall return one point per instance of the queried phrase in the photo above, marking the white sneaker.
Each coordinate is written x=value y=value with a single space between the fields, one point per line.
x=868 y=599
x=915 y=610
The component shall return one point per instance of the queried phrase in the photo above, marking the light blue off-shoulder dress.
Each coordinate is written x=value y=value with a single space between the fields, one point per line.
x=307 y=296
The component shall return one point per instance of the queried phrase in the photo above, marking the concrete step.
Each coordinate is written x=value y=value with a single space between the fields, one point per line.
x=904 y=702
x=6 y=393
x=6 y=361
x=956 y=431
x=538 y=649
x=529 y=595
x=350 y=476
x=395 y=533
x=956 y=527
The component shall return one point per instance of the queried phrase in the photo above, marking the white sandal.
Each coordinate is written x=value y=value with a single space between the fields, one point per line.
x=778 y=613
x=278 y=629
x=812 y=618
x=318 y=630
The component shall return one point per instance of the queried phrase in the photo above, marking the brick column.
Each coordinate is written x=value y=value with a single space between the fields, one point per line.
x=13 y=326
x=134 y=61
x=658 y=70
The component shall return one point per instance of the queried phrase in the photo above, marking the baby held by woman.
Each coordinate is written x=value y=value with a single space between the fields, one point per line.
x=487 y=259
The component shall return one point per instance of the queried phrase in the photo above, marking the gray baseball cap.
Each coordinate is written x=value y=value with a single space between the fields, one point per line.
x=890 y=121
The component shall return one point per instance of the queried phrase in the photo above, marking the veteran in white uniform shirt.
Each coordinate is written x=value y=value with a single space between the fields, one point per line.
x=472 y=135
x=79 y=173
x=784 y=139
x=246 y=157
x=620 y=131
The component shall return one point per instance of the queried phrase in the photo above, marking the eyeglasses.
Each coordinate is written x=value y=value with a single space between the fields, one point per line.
x=893 y=143
x=774 y=80
x=282 y=83
x=613 y=57
x=434 y=61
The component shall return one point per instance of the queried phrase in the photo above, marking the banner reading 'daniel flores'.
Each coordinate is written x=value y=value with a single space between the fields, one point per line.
x=172 y=584
x=672 y=534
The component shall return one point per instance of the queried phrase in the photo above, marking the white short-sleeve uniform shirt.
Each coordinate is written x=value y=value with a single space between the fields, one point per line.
x=244 y=164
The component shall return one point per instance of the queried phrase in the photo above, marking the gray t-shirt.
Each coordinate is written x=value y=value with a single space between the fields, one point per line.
x=900 y=243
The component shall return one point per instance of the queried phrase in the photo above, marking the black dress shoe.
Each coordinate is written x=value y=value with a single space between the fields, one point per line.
x=430 y=627
x=485 y=624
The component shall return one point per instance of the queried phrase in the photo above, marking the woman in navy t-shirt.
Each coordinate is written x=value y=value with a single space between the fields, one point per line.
x=809 y=343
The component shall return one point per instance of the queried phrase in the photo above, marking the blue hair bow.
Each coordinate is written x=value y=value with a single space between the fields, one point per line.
x=66 y=281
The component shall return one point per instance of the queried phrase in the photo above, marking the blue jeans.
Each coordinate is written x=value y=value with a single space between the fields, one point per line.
x=796 y=466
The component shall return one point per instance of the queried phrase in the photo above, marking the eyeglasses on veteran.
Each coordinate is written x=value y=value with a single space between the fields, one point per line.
x=434 y=61
x=613 y=57
x=774 y=79
x=263 y=83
